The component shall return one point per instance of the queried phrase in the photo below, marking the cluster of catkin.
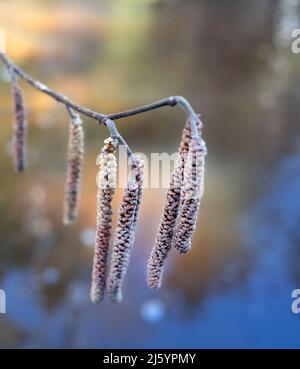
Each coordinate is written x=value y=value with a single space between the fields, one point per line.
x=112 y=280
x=178 y=221
x=182 y=204
x=75 y=150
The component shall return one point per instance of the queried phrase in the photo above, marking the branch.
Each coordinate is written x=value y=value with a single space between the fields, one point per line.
x=115 y=134
x=169 y=101
x=99 y=117
x=47 y=90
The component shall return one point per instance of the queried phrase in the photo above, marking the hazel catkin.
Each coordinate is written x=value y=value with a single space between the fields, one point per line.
x=174 y=198
x=125 y=231
x=19 y=127
x=106 y=182
x=74 y=169
x=191 y=194
x=164 y=236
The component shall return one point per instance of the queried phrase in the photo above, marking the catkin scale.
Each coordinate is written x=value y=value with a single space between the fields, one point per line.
x=19 y=128
x=74 y=170
x=125 y=231
x=106 y=182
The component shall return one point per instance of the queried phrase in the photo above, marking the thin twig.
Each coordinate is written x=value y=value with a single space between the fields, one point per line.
x=71 y=112
x=114 y=133
x=47 y=90
x=169 y=101
x=99 y=117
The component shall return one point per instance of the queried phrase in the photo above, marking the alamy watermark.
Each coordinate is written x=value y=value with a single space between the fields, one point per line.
x=296 y=303
x=158 y=168
x=295 y=46
x=2 y=302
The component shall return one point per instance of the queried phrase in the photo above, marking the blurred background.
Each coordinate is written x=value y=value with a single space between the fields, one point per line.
x=233 y=61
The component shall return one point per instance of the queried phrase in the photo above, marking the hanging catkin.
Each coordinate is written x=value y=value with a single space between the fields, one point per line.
x=125 y=231
x=191 y=193
x=74 y=170
x=174 y=195
x=106 y=182
x=19 y=127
